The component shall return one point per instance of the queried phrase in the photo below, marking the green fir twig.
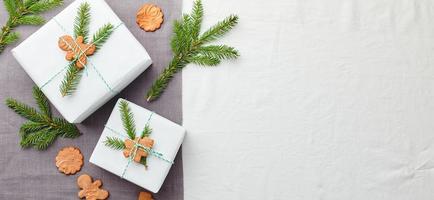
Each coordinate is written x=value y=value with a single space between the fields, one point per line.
x=114 y=143
x=102 y=35
x=130 y=128
x=188 y=46
x=72 y=79
x=23 y=12
x=81 y=28
x=127 y=119
x=82 y=21
x=146 y=131
x=41 y=129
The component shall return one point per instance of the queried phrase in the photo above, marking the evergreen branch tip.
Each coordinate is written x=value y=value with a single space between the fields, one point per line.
x=41 y=129
x=23 y=13
x=188 y=47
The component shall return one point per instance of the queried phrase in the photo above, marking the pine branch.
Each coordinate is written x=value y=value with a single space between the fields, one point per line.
x=114 y=143
x=31 y=20
x=187 y=47
x=40 y=140
x=11 y=7
x=164 y=78
x=127 y=119
x=32 y=139
x=39 y=6
x=42 y=102
x=45 y=139
x=218 y=51
x=42 y=129
x=102 y=35
x=71 y=80
x=28 y=3
x=204 y=60
x=24 y=110
x=196 y=17
x=64 y=128
x=82 y=21
x=11 y=38
x=23 y=13
x=31 y=127
x=218 y=30
x=146 y=131
x=183 y=38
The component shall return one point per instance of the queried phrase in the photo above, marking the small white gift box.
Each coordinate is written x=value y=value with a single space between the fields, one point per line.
x=115 y=65
x=167 y=137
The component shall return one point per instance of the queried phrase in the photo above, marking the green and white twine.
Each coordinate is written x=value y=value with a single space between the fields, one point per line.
x=82 y=52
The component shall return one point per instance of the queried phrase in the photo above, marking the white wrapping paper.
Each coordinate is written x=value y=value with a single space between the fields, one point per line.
x=120 y=60
x=330 y=100
x=167 y=137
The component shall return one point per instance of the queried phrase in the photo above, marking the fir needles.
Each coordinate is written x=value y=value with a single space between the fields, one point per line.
x=23 y=12
x=42 y=128
x=81 y=28
x=188 y=46
x=130 y=129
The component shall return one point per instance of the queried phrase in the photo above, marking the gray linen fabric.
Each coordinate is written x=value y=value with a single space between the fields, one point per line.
x=31 y=174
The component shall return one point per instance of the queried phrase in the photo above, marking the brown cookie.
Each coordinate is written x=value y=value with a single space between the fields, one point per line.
x=69 y=160
x=76 y=49
x=90 y=190
x=129 y=145
x=149 y=17
x=145 y=196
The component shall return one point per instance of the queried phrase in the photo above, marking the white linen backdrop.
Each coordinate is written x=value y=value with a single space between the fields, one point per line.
x=330 y=100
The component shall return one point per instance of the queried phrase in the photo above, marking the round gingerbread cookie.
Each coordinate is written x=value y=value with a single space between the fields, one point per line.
x=149 y=17
x=145 y=196
x=69 y=160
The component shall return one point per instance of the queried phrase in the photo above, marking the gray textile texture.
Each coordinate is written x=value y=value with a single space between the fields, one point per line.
x=32 y=174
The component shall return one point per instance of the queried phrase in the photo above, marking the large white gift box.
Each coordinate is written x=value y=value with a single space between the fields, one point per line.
x=116 y=64
x=167 y=137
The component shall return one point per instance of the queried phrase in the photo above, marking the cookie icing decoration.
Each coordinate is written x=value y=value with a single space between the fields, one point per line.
x=149 y=17
x=90 y=190
x=76 y=49
x=129 y=145
x=69 y=160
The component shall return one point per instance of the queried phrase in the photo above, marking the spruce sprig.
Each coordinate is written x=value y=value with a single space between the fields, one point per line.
x=23 y=12
x=81 y=28
x=188 y=46
x=127 y=119
x=146 y=131
x=42 y=102
x=71 y=80
x=82 y=21
x=41 y=129
x=102 y=35
x=114 y=143
x=130 y=128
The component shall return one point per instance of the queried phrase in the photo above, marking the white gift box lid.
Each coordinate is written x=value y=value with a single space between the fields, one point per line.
x=167 y=136
x=120 y=60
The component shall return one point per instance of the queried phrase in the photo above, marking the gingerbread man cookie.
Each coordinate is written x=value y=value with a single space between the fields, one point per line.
x=76 y=48
x=149 y=17
x=90 y=190
x=145 y=196
x=69 y=160
x=129 y=145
